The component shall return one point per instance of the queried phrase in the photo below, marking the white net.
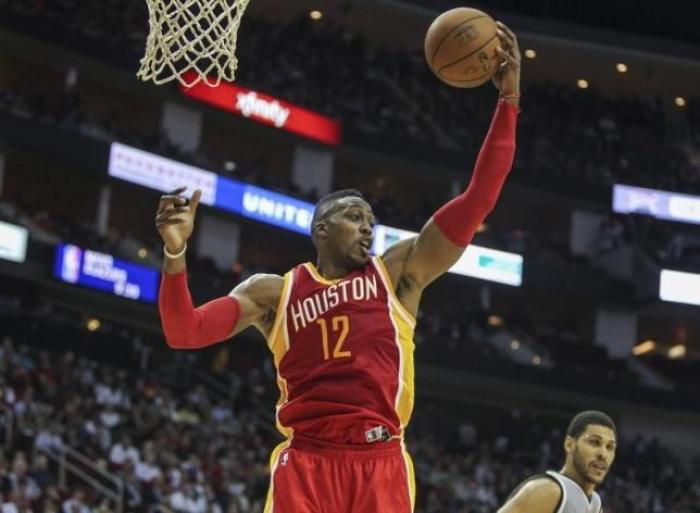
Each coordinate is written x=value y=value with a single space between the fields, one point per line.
x=192 y=41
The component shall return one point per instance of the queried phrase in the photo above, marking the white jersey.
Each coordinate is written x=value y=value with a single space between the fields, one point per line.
x=573 y=498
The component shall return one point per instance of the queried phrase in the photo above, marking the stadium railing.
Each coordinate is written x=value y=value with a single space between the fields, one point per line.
x=104 y=482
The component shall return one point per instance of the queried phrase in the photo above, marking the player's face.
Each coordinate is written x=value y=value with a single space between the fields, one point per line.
x=351 y=231
x=592 y=453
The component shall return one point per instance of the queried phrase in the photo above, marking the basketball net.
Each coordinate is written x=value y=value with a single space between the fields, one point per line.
x=192 y=41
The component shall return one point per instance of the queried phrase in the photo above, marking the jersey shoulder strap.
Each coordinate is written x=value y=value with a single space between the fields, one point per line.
x=556 y=477
x=575 y=498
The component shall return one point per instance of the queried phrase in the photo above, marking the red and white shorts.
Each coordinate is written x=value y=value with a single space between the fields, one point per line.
x=310 y=476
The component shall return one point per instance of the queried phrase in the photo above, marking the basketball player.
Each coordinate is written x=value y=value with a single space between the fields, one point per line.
x=341 y=330
x=590 y=444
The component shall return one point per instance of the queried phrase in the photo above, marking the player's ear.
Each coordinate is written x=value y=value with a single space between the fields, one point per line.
x=321 y=229
x=569 y=442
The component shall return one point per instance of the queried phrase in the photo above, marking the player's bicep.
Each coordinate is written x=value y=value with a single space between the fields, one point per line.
x=537 y=496
x=251 y=312
x=431 y=256
x=258 y=297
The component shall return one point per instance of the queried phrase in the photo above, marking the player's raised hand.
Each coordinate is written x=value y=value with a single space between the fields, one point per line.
x=507 y=79
x=175 y=218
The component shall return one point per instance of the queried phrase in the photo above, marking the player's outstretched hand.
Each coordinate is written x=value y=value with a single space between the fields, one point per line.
x=507 y=79
x=175 y=218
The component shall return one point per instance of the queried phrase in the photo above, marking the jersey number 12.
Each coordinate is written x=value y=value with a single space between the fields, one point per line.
x=339 y=323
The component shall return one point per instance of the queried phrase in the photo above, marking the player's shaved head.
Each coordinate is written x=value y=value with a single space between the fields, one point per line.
x=328 y=204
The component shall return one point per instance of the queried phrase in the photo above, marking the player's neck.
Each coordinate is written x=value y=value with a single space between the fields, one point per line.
x=574 y=475
x=330 y=270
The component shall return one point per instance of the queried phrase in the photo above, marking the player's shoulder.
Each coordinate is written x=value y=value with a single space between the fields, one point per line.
x=542 y=487
x=264 y=281
x=394 y=258
x=540 y=493
x=398 y=251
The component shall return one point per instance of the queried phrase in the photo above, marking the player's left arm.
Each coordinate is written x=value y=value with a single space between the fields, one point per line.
x=443 y=239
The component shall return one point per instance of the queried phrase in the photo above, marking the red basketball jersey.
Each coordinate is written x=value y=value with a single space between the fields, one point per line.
x=344 y=356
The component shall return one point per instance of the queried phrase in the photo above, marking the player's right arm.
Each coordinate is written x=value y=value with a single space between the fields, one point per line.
x=252 y=303
x=536 y=496
x=258 y=297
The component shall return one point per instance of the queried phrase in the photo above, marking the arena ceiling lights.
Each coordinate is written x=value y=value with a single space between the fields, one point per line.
x=679 y=287
x=13 y=242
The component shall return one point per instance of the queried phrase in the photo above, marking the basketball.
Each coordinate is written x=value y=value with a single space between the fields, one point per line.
x=460 y=47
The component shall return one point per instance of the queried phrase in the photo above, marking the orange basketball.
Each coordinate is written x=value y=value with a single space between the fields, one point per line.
x=460 y=47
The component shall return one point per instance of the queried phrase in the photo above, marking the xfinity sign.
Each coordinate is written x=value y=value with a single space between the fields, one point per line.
x=267 y=110
x=250 y=105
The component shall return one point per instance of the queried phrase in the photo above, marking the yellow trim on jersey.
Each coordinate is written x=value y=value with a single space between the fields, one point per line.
x=410 y=475
x=387 y=278
x=404 y=325
x=287 y=432
x=269 y=502
x=316 y=275
x=406 y=393
x=275 y=338
x=278 y=342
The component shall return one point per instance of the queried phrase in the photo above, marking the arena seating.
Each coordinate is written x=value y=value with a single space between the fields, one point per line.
x=186 y=448
x=374 y=92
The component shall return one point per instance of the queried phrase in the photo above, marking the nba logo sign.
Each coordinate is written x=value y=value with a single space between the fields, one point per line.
x=285 y=458
x=72 y=257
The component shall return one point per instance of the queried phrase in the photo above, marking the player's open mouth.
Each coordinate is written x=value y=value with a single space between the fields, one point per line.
x=366 y=244
x=600 y=467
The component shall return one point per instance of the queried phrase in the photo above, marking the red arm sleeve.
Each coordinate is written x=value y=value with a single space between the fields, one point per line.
x=459 y=219
x=186 y=327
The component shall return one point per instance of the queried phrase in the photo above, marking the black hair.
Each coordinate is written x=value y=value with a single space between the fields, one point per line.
x=587 y=418
x=320 y=209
